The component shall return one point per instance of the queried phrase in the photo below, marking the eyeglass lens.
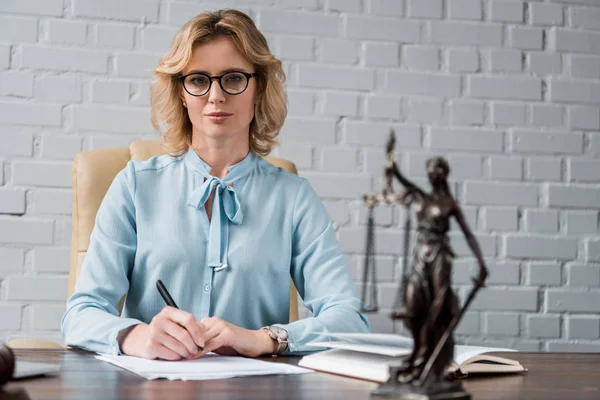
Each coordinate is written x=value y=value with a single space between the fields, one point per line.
x=231 y=83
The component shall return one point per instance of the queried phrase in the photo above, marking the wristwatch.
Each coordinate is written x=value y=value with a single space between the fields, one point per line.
x=279 y=334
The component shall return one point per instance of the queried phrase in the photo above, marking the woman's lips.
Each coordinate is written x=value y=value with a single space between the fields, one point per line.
x=218 y=117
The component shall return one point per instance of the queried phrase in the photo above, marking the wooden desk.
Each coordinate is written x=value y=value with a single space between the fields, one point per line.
x=551 y=376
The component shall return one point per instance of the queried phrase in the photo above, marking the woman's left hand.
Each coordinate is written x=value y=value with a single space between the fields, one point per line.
x=224 y=338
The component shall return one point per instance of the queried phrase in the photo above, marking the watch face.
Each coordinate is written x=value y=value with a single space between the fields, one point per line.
x=278 y=331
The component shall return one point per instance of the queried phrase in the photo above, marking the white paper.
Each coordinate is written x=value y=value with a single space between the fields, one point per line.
x=210 y=366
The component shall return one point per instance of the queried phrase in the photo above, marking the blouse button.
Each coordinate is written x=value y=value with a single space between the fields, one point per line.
x=206 y=288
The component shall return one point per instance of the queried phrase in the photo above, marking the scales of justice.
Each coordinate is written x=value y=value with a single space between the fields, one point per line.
x=425 y=301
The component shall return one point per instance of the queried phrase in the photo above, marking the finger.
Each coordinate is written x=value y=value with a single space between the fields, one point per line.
x=212 y=332
x=172 y=344
x=178 y=332
x=214 y=343
x=161 y=352
x=186 y=320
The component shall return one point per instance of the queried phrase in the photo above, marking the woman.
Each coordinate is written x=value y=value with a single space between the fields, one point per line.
x=429 y=304
x=221 y=227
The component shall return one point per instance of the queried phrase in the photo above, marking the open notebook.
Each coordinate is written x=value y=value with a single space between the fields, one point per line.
x=367 y=356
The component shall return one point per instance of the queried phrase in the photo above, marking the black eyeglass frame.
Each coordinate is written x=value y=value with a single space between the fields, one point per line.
x=219 y=77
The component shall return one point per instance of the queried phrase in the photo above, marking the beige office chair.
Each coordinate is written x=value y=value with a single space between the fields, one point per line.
x=92 y=174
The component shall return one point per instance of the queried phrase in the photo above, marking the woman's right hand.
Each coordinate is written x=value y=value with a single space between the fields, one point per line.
x=172 y=334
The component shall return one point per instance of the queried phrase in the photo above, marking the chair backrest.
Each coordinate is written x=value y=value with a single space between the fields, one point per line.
x=92 y=174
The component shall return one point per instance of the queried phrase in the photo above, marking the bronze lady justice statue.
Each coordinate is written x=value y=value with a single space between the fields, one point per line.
x=430 y=309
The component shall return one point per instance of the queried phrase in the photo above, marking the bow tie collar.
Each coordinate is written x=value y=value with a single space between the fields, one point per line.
x=226 y=206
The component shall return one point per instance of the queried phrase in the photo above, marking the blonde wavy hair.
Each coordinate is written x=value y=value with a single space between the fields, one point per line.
x=170 y=118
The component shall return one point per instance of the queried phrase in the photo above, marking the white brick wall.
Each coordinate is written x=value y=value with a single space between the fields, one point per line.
x=508 y=91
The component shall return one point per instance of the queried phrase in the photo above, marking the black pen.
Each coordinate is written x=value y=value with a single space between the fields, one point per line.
x=168 y=299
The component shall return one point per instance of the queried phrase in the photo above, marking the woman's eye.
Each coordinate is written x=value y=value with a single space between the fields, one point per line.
x=200 y=80
x=234 y=78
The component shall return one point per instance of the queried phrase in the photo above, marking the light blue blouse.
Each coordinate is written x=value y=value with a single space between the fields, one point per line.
x=267 y=225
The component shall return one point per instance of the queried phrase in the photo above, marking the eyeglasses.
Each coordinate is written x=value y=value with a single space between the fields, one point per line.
x=198 y=84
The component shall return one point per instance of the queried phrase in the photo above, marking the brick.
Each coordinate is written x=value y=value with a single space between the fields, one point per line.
x=25 y=231
x=18 y=30
x=546 y=142
x=309 y=4
x=13 y=83
x=383 y=107
x=351 y=6
x=574 y=91
x=584 y=117
x=505 y=168
x=585 y=17
x=574 y=41
x=52 y=201
x=464 y=9
x=543 y=326
x=10 y=315
x=46 y=316
x=299 y=22
x=15 y=141
x=573 y=196
x=525 y=38
x=109 y=119
x=388 y=29
x=141 y=94
x=421 y=58
x=545 y=14
x=339 y=51
x=301 y=155
x=506 y=11
x=136 y=64
x=372 y=134
x=508 y=113
x=470 y=324
x=542 y=64
x=374 y=162
x=336 y=77
x=338 y=186
x=11 y=261
x=464 y=139
x=64 y=59
x=520 y=88
x=12 y=201
x=547 y=115
x=30 y=114
x=110 y=92
x=425 y=110
x=543 y=169
x=572 y=300
x=465 y=166
x=503 y=324
x=335 y=159
x=428 y=84
x=541 y=221
x=573 y=347
x=37 y=7
x=425 y=8
x=60 y=147
x=309 y=130
x=581 y=222
x=500 y=219
x=500 y=193
x=381 y=54
x=118 y=36
x=67 y=32
x=583 y=66
x=510 y=299
x=465 y=33
x=338 y=212
x=300 y=102
x=180 y=13
x=352 y=240
x=133 y=10
x=500 y=273
x=504 y=60
x=4 y=56
x=539 y=247
x=38 y=173
x=583 y=170
x=463 y=60
x=543 y=274
x=487 y=243
x=583 y=326
x=583 y=275
x=386 y=8
x=157 y=38
x=594 y=143
x=58 y=89
x=295 y=48
x=592 y=248
x=36 y=288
